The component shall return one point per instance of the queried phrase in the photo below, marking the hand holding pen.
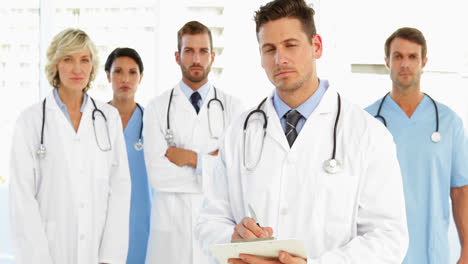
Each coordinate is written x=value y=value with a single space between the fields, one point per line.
x=249 y=228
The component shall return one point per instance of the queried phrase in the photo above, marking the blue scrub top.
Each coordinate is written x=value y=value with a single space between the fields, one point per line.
x=140 y=206
x=429 y=170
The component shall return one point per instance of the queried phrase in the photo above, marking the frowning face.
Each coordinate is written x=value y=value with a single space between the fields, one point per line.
x=74 y=70
x=125 y=77
x=405 y=63
x=288 y=55
x=195 y=58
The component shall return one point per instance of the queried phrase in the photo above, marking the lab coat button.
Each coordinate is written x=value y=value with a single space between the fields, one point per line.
x=82 y=205
x=284 y=211
x=82 y=237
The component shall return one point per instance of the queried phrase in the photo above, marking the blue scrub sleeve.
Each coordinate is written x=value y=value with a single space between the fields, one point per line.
x=459 y=169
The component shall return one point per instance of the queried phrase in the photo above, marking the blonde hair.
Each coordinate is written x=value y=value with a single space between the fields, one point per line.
x=65 y=43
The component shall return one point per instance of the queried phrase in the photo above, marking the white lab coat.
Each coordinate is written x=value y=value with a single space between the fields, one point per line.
x=178 y=190
x=72 y=206
x=354 y=216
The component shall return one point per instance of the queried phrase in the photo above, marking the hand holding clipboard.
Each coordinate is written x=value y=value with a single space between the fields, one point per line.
x=252 y=243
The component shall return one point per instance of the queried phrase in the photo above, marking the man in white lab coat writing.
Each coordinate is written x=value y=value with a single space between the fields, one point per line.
x=347 y=210
x=182 y=131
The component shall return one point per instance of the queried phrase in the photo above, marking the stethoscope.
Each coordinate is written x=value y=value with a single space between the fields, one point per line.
x=139 y=144
x=170 y=134
x=331 y=165
x=436 y=137
x=42 y=151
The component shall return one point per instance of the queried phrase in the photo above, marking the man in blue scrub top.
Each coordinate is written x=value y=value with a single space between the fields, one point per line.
x=434 y=166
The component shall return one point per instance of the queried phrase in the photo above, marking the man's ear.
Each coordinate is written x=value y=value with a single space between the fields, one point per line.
x=177 y=57
x=318 y=48
x=213 y=55
x=424 y=62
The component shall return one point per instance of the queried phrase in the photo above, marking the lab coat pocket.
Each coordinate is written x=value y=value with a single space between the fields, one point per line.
x=44 y=178
x=254 y=184
x=336 y=235
x=103 y=184
x=337 y=192
x=51 y=233
x=102 y=197
x=164 y=212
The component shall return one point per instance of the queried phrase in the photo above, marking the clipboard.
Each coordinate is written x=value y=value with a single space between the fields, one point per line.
x=265 y=248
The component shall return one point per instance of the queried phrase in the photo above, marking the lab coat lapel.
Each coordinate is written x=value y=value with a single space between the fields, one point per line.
x=274 y=128
x=209 y=96
x=320 y=121
x=184 y=120
x=60 y=116
x=86 y=118
x=182 y=101
x=328 y=104
x=53 y=111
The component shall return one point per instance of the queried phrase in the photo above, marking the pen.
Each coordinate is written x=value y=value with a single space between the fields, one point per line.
x=252 y=213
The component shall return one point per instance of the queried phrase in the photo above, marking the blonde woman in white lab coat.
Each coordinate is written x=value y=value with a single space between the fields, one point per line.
x=70 y=182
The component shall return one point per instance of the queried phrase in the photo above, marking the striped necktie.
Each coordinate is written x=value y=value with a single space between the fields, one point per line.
x=292 y=117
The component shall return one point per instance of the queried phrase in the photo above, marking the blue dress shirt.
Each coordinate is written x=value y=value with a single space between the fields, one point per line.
x=305 y=109
x=63 y=107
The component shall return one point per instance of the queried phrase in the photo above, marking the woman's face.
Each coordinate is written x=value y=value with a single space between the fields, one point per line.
x=74 y=70
x=125 y=77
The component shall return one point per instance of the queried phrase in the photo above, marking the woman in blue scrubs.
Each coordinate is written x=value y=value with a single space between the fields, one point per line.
x=124 y=69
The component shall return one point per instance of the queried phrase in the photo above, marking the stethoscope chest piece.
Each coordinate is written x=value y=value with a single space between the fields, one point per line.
x=332 y=166
x=41 y=152
x=138 y=145
x=169 y=138
x=436 y=137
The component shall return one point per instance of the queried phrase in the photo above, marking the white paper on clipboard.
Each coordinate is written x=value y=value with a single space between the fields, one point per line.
x=267 y=248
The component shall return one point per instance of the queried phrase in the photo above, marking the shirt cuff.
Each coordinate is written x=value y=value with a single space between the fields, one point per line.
x=198 y=169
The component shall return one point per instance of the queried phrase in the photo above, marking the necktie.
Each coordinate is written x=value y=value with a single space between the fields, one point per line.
x=292 y=117
x=194 y=98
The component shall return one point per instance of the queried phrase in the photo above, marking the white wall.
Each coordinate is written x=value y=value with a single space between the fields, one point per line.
x=352 y=32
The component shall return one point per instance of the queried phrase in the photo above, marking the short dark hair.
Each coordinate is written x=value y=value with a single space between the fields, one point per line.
x=123 y=52
x=277 y=9
x=410 y=34
x=193 y=28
